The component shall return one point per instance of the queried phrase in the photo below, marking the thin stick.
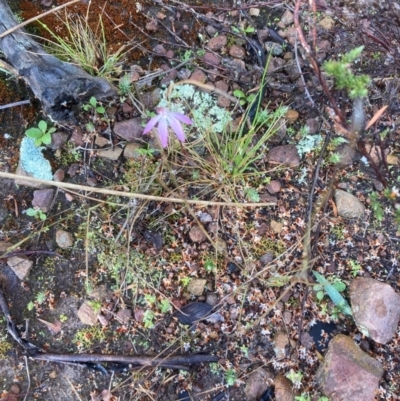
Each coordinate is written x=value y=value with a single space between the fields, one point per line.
x=22 y=24
x=15 y=104
x=106 y=191
x=28 y=376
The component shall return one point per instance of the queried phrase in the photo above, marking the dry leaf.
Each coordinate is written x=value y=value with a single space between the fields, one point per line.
x=54 y=327
x=376 y=117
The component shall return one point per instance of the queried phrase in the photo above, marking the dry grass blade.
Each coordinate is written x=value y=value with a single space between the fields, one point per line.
x=376 y=117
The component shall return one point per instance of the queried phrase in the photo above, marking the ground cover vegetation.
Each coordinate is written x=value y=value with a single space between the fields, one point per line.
x=199 y=211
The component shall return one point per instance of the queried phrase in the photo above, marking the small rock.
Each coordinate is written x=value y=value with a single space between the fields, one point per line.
x=287 y=18
x=196 y=286
x=64 y=239
x=376 y=308
x=266 y=197
x=112 y=154
x=267 y=258
x=77 y=137
x=348 y=206
x=211 y=30
x=217 y=43
x=292 y=71
x=149 y=100
x=348 y=373
x=291 y=35
x=257 y=383
x=254 y=12
x=199 y=76
x=283 y=389
x=170 y=54
x=284 y=154
x=124 y=315
x=273 y=187
x=222 y=85
x=212 y=298
x=58 y=139
x=73 y=169
x=87 y=315
x=20 y=265
x=223 y=101
x=282 y=346
x=276 y=226
x=196 y=234
x=211 y=58
x=26 y=182
x=287 y=317
x=59 y=175
x=237 y=51
x=100 y=141
x=42 y=199
x=132 y=150
x=160 y=50
x=327 y=23
x=313 y=125
x=4 y=246
x=205 y=218
x=152 y=26
x=347 y=155
x=130 y=130
x=274 y=48
x=292 y=116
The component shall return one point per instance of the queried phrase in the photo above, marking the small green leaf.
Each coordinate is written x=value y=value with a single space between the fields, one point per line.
x=250 y=29
x=42 y=126
x=33 y=133
x=38 y=141
x=93 y=101
x=238 y=93
x=51 y=130
x=339 y=286
x=30 y=305
x=42 y=216
x=46 y=139
x=320 y=295
x=100 y=110
x=31 y=212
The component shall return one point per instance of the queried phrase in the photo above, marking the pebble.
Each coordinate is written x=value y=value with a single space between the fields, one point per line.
x=282 y=345
x=274 y=187
x=196 y=286
x=130 y=130
x=211 y=58
x=131 y=150
x=196 y=234
x=20 y=265
x=64 y=239
x=284 y=154
x=348 y=206
x=112 y=154
x=87 y=315
x=199 y=76
x=124 y=315
x=257 y=383
x=283 y=389
x=42 y=199
x=217 y=43
x=237 y=51
x=287 y=18
x=327 y=23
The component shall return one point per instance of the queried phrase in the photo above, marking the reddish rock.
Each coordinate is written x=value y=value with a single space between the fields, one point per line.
x=211 y=58
x=160 y=49
x=257 y=383
x=376 y=308
x=196 y=234
x=42 y=199
x=152 y=26
x=283 y=389
x=59 y=175
x=199 y=76
x=223 y=101
x=274 y=187
x=57 y=140
x=284 y=154
x=87 y=315
x=77 y=137
x=130 y=130
x=237 y=51
x=222 y=85
x=348 y=373
x=124 y=315
x=217 y=43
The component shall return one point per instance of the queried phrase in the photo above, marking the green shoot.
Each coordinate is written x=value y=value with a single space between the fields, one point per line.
x=41 y=134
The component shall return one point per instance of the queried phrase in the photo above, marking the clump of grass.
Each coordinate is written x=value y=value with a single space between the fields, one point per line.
x=88 y=48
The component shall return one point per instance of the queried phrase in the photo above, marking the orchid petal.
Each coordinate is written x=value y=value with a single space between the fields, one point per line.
x=163 y=131
x=180 y=117
x=176 y=127
x=151 y=124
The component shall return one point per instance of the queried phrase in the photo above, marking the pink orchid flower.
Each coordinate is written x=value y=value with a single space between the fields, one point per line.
x=165 y=118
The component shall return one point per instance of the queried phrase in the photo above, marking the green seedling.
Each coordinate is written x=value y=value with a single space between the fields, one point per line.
x=243 y=98
x=209 y=266
x=36 y=213
x=333 y=293
x=295 y=377
x=148 y=318
x=249 y=29
x=230 y=377
x=124 y=85
x=41 y=134
x=93 y=106
x=355 y=267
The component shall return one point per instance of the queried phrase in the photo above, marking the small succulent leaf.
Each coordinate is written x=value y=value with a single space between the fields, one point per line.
x=320 y=295
x=51 y=130
x=318 y=287
x=33 y=133
x=38 y=141
x=238 y=93
x=42 y=126
x=93 y=101
x=31 y=212
x=100 y=110
x=46 y=139
x=42 y=216
x=339 y=286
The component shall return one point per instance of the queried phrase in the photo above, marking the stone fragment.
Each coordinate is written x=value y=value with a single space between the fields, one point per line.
x=283 y=346
x=130 y=130
x=266 y=197
x=283 y=389
x=347 y=155
x=101 y=142
x=59 y=175
x=152 y=26
x=237 y=51
x=284 y=154
x=211 y=30
x=4 y=246
x=73 y=169
x=274 y=187
x=376 y=308
x=313 y=125
x=112 y=154
x=26 y=181
x=211 y=58
x=223 y=101
x=42 y=199
x=274 y=48
x=196 y=234
x=327 y=23
x=276 y=226
x=292 y=116
x=199 y=76
x=20 y=265
x=150 y=99
x=348 y=206
x=254 y=12
x=132 y=150
x=64 y=239
x=217 y=43
x=348 y=373
x=124 y=315
x=77 y=137
x=257 y=383
x=287 y=17
x=87 y=315
x=58 y=139
x=196 y=286
x=160 y=50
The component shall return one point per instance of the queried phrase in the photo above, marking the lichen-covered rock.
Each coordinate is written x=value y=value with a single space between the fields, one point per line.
x=376 y=308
